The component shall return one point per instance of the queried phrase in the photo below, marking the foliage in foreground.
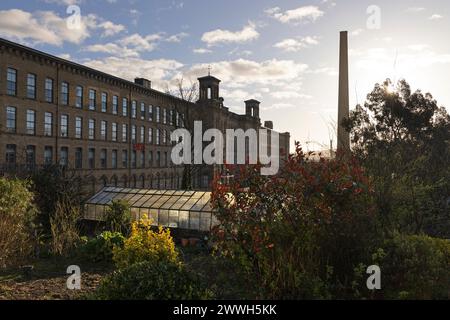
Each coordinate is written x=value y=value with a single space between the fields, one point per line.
x=100 y=248
x=415 y=267
x=150 y=280
x=17 y=218
x=300 y=233
x=144 y=244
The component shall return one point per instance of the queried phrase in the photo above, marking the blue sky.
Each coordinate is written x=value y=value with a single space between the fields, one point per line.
x=283 y=53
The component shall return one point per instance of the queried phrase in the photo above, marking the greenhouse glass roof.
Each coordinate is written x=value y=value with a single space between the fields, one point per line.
x=176 y=209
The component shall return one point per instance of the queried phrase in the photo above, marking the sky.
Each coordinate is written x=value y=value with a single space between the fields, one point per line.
x=282 y=53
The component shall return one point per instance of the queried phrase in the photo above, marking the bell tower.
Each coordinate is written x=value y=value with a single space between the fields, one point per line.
x=209 y=88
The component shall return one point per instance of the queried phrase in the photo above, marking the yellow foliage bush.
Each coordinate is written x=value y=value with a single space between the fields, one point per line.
x=144 y=244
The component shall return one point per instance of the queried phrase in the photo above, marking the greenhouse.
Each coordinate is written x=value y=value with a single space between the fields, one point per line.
x=190 y=210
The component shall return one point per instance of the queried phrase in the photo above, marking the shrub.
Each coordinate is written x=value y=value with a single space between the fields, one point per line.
x=148 y=280
x=64 y=227
x=301 y=232
x=101 y=247
x=118 y=216
x=415 y=267
x=17 y=214
x=144 y=244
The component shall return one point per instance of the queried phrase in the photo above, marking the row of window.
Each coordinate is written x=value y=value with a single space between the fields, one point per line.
x=162 y=136
x=162 y=115
x=138 y=159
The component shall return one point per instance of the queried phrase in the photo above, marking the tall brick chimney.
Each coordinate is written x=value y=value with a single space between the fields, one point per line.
x=343 y=136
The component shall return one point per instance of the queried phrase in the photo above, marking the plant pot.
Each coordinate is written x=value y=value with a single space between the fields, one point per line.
x=184 y=242
x=193 y=242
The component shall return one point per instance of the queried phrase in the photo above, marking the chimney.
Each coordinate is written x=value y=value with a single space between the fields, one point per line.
x=147 y=84
x=343 y=137
x=268 y=125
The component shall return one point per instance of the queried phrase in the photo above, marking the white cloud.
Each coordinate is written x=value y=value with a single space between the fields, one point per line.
x=140 y=43
x=415 y=9
x=110 y=28
x=242 y=72
x=201 y=50
x=158 y=71
x=294 y=45
x=48 y=27
x=289 y=95
x=64 y=2
x=112 y=49
x=436 y=17
x=41 y=27
x=177 y=37
x=248 y=33
x=356 y=32
x=296 y=16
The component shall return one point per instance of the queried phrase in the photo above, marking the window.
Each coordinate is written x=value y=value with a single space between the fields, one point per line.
x=150 y=159
x=150 y=113
x=11 y=80
x=142 y=160
x=91 y=158
x=91 y=129
x=142 y=139
x=124 y=158
x=124 y=133
x=133 y=159
x=124 y=107
x=114 y=131
x=48 y=155
x=157 y=142
x=49 y=90
x=177 y=119
x=171 y=117
x=31 y=86
x=165 y=159
x=114 y=159
x=64 y=93
x=31 y=122
x=133 y=133
x=164 y=118
x=92 y=99
x=78 y=127
x=48 y=124
x=157 y=114
x=103 y=158
x=78 y=158
x=133 y=109
x=79 y=97
x=64 y=157
x=103 y=129
x=10 y=154
x=104 y=101
x=64 y=125
x=164 y=137
x=115 y=105
x=11 y=119
x=31 y=157
x=150 y=135
x=142 y=111
x=158 y=159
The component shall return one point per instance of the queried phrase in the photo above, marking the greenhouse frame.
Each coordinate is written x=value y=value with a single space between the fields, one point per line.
x=190 y=210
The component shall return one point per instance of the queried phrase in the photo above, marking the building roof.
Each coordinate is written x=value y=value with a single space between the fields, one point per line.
x=171 y=208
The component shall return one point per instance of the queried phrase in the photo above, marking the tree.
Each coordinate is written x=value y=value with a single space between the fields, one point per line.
x=189 y=94
x=184 y=92
x=403 y=140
